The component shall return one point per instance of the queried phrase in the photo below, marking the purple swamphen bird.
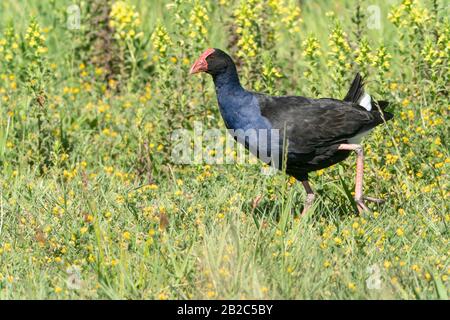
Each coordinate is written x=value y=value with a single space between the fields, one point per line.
x=313 y=133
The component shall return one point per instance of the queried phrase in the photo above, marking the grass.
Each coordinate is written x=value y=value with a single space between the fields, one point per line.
x=92 y=207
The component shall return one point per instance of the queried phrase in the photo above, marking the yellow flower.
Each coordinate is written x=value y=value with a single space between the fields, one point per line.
x=338 y=241
x=405 y=102
x=162 y=296
x=7 y=247
x=160 y=41
x=292 y=180
x=109 y=170
x=126 y=235
x=124 y=19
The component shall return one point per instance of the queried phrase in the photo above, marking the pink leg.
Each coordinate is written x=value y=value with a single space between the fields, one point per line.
x=255 y=202
x=309 y=197
x=359 y=174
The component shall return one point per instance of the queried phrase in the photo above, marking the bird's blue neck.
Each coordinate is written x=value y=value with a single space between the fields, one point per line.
x=227 y=82
x=239 y=108
x=232 y=98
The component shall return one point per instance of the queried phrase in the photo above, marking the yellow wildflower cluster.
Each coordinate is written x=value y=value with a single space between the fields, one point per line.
x=311 y=48
x=340 y=48
x=311 y=53
x=409 y=13
x=35 y=40
x=363 y=56
x=430 y=54
x=381 y=59
x=8 y=85
x=125 y=21
x=269 y=73
x=247 y=17
x=340 y=55
x=70 y=174
x=437 y=54
x=160 y=42
x=197 y=21
x=290 y=16
x=9 y=46
x=38 y=70
x=280 y=16
x=146 y=96
x=444 y=41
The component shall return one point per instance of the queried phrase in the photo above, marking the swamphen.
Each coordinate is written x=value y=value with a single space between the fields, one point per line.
x=316 y=133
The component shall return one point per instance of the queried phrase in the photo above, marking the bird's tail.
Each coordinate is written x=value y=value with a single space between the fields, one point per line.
x=356 y=92
x=357 y=95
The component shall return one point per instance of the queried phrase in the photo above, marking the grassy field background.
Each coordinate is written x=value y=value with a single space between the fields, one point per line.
x=93 y=207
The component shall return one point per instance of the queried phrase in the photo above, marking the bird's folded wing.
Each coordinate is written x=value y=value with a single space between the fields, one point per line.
x=310 y=124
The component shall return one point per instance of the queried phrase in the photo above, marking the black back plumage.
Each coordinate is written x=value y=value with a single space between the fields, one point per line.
x=314 y=128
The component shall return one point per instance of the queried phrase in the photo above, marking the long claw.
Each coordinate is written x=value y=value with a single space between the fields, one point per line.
x=255 y=202
x=375 y=200
x=304 y=211
x=308 y=203
x=361 y=206
x=309 y=197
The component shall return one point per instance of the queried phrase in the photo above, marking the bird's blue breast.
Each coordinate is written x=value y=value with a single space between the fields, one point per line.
x=240 y=110
x=241 y=113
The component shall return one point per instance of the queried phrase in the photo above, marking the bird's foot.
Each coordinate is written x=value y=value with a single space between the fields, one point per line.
x=256 y=202
x=361 y=206
x=375 y=200
x=308 y=203
x=304 y=211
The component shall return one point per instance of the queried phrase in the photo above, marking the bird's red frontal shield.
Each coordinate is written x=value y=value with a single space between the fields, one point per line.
x=201 y=65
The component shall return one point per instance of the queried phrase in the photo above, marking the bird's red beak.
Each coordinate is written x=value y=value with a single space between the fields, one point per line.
x=201 y=65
